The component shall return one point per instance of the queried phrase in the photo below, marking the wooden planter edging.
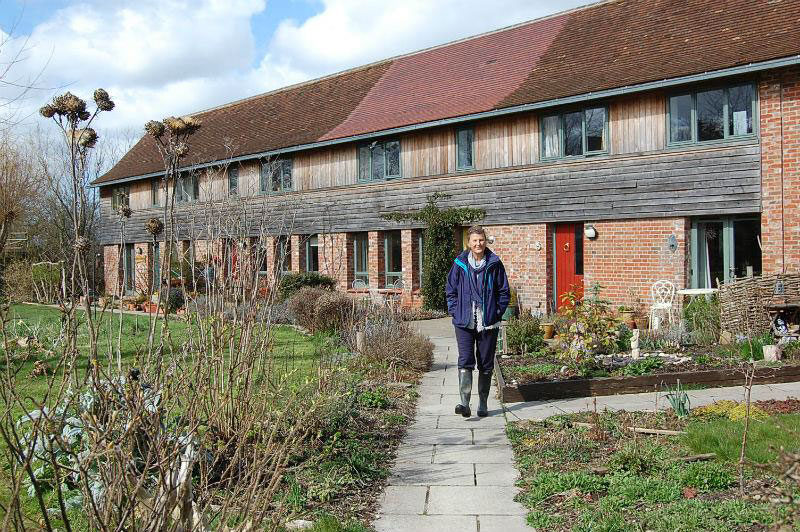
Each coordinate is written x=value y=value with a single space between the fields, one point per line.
x=540 y=391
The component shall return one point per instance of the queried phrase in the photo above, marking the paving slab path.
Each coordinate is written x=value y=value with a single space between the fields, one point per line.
x=456 y=474
x=451 y=473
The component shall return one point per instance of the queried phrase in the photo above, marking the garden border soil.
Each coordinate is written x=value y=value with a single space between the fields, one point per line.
x=565 y=389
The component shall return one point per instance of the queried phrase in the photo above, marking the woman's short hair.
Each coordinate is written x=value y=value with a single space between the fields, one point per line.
x=476 y=230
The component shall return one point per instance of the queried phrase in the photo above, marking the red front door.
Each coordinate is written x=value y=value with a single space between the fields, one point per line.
x=569 y=260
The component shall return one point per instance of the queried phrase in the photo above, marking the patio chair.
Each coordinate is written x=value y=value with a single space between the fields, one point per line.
x=662 y=294
x=359 y=284
x=377 y=299
x=393 y=299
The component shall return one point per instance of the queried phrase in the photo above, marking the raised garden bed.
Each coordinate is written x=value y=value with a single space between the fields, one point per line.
x=587 y=387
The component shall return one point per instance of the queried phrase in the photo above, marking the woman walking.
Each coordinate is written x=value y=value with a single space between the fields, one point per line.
x=477 y=296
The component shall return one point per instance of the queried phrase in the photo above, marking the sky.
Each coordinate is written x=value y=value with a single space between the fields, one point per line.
x=171 y=57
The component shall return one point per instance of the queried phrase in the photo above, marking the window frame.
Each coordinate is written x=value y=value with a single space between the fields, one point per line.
x=120 y=191
x=233 y=177
x=264 y=180
x=155 y=191
x=726 y=137
x=396 y=275
x=458 y=130
x=283 y=255
x=180 y=189
x=361 y=274
x=371 y=146
x=562 y=135
x=309 y=245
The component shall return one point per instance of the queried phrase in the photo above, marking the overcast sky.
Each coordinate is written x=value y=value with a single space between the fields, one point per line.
x=165 y=57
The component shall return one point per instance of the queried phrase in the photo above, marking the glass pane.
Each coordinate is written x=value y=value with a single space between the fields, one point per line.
x=361 y=253
x=287 y=174
x=393 y=158
x=596 y=129
x=740 y=110
x=746 y=251
x=154 y=191
x=680 y=118
x=578 y=249
x=275 y=177
x=285 y=253
x=573 y=134
x=378 y=171
x=394 y=257
x=550 y=146
x=233 y=180
x=264 y=177
x=710 y=106
x=312 y=258
x=363 y=163
x=711 y=256
x=464 y=141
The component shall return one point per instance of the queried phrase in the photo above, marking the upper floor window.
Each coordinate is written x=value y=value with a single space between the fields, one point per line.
x=276 y=176
x=464 y=144
x=233 y=180
x=187 y=189
x=712 y=114
x=120 y=195
x=155 y=184
x=575 y=133
x=379 y=160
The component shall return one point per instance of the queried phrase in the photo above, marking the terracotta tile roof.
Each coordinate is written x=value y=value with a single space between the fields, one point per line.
x=602 y=46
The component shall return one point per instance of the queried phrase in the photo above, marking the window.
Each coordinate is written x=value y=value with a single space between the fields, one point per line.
x=120 y=196
x=276 y=176
x=725 y=249
x=712 y=114
x=379 y=160
x=312 y=254
x=156 y=266
x=361 y=257
x=284 y=253
x=155 y=184
x=464 y=141
x=393 y=254
x=575 y=133
x=188 y=189
x=233 y=180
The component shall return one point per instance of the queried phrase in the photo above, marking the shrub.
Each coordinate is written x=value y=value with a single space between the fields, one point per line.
x=175 y=299
x=524 y=334
x=592 y=324
x=643 y=366
x=17 y=282
x=624 y=335
x=731 y=410
x=290 y=283
x=702 y=317
x=334 y=312
x=303 y=306
x=639 y=456
x=394 y=344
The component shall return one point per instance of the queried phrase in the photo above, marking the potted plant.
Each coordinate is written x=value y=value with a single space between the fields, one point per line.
x=548 y=327
x=643 y=322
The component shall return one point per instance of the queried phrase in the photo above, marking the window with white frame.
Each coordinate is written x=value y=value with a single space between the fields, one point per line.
x=575 y=133
x=711 y=114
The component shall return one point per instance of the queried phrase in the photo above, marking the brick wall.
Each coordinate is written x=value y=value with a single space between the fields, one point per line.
x=334 y=253
x=524 y=252
x=376 y=260
x=111 y=265
x=143 y=267
x=628 y=256
x=779 y=97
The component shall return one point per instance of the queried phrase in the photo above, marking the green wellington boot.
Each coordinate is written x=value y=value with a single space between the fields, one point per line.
x=465 y=388
x=484 y=384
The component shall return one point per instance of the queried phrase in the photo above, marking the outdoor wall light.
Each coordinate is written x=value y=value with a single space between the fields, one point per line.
x=140 y=251
x=490 y=239
x=590 y=232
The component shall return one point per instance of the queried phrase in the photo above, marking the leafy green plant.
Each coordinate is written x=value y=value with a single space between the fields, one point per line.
x=753 y=348
x=704 y=476
x=624 y=336
x=440 y=247
x=638 y=456
x=592 y=324
x=679 y=401
x=702 y=318
x=290 y=283
x=643 y=366
x=535 y=371
x=376 y=398
x=175 y=299
x=524 y=334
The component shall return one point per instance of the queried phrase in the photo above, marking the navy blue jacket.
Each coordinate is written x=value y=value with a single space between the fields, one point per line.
x=496 y=294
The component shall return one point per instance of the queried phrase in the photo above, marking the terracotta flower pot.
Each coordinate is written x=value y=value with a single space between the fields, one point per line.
x=628 y=319
x=643 y=323
x=549 y=330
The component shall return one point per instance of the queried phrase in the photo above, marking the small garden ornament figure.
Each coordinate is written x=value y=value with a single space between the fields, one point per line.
x=477 y=296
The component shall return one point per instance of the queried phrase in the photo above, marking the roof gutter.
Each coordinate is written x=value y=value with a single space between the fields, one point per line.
x=588 y=96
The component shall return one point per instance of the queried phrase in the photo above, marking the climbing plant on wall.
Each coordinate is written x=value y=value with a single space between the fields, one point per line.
x=440 y=243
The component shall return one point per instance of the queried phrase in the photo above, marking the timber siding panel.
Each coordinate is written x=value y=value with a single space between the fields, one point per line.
x=507 y=141
x=638 y=124
x=324 y=168
x=703 y=181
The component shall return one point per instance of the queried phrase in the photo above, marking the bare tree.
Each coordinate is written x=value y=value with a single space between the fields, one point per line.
x=18 y=186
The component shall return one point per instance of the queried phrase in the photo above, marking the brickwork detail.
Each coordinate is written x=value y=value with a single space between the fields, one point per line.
x=333 y=258
x=628 y=256
x=376 y=260
x=143 y=267
x=111 y=272
x=298 y=263
x=779 y=97
x=523 y=250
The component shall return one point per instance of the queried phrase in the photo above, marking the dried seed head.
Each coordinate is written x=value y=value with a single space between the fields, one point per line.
x=84 y=115
x=154 y=226
x=124 y=211
x=86 y=138
x=154 y=128
x=68 y=103
x=102 y=100
x=82 y=244
x=47 y=111
x=175 y=125
x=181 y=149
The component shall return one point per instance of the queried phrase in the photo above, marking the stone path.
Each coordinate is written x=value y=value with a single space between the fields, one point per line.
x=451 y=473
x=456 y=474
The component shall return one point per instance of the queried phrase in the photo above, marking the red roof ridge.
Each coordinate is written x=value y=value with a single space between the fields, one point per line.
x=403 y=55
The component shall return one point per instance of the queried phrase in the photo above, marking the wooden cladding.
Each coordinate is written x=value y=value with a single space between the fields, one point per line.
x=699 y=181
x=638 y=124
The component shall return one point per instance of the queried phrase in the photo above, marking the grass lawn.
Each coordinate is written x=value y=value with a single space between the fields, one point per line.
x=607 y=478
x=292 y=351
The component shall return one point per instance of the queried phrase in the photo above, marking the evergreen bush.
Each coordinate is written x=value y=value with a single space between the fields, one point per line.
x=290 y=283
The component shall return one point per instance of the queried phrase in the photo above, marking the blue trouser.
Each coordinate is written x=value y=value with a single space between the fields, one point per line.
x=485 y=342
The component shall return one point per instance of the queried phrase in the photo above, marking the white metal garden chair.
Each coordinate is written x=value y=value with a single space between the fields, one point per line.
x=393 y=299
x=662 y=294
